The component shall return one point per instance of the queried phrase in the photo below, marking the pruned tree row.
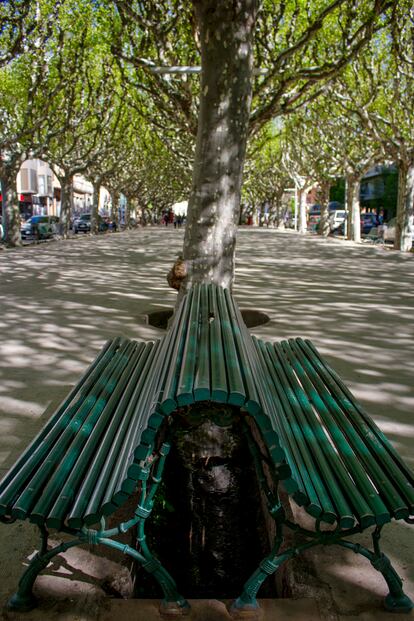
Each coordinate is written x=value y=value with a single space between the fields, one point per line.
x=161 y=100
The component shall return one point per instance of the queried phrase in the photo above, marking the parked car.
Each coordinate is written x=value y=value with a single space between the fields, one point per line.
x=83 y=224
x=336 y=219
x=387 y=230
x=368 y=221
x=41 y=227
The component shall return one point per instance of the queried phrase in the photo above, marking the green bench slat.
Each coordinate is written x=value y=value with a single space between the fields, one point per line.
x=311 y=484
x=66 y=450
x=172 y=355
x=96 y=453
x=62 y=486
x=319 y=450
x=253 y=401
x=375 y=438
x=202 y=378
x=30 y=459
x=340 y=421
x=127 y=437
x=366 y=500
x=90 y=492
x=50 y=451
x=219 y=388
x=296 y=459
x=184 y=388
x=236 y=388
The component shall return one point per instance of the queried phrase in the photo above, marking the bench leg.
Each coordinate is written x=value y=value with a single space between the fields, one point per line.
x=246 y=604
x=173 y=603
x=24 y=600
x=396 y=600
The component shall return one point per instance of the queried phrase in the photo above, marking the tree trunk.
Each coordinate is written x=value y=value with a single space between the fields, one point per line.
x=405 y=205
x=11 y=210
x=115 y=209
x=302 y=225
x=66 y=201
x=280 y=214
x=226 y=35
x=128 y=215
x=323 y=199
x=95 y=206
x=353 y=187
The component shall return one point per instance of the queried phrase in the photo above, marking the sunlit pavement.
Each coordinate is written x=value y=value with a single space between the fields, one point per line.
x=61 y=301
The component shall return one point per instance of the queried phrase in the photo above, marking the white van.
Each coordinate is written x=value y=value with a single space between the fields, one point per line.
x=336 y=218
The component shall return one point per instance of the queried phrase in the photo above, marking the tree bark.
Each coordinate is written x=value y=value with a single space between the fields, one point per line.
x=95 y=206
x=11 y=210
x=66 y=202
x=302 y=224
x=353 y=185
x=115 y=209
x=323 y=199
x=405 y=205
x=226 y=39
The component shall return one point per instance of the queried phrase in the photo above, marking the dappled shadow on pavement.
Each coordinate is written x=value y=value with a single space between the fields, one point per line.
x=61 y=301
x=355 y=302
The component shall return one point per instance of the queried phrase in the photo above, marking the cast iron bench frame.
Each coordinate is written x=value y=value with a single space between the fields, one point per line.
x=108 y=441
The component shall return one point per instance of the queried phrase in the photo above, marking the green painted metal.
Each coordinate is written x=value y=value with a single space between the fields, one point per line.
x=361 y=463
x=202 y=376
x=103 y=443
x=305 y=492
x=377 y=443
x=339 y=460
x=16 y=478
x=83 y=421
x=89 y=495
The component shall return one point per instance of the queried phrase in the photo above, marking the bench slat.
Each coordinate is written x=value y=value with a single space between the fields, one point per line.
x=92 y=488
x=30 y=459
x=342 y=421
x=80 y=425
x=357 y=485
x=376 y=439
x=296 y=459
x=236 y=389
x=96 y=451
x=219 y=388
x=202 y=378
x=184 y=387
x=319 y=472
x=61 y=488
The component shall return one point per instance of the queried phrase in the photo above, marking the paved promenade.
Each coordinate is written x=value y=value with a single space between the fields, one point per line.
x=61 y=301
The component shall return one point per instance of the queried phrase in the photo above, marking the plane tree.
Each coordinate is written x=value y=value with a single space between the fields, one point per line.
x=86 y=112
x=326 y=133
x=378 y=88
x=25 y=110
x=265 y=177
x=310 y=149
x=355 y=151
x=24 y=25
x=294 y=163
x=258 y=61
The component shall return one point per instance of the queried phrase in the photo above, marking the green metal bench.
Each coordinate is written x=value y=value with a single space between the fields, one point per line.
x=108 y=442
